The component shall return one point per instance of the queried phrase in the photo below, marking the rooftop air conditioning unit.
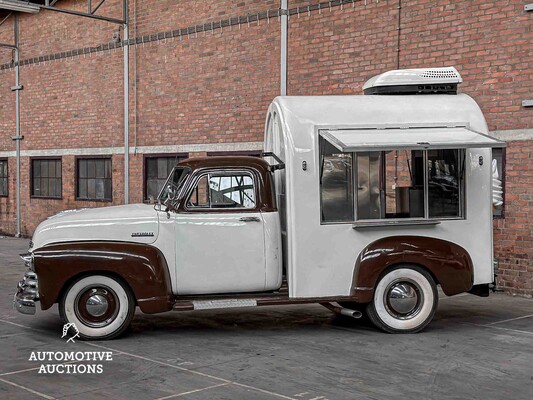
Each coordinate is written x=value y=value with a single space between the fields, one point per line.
x=415 y=81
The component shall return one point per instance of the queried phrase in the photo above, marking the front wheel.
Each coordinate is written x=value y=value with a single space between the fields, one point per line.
x=405 y=300
x=101 y=307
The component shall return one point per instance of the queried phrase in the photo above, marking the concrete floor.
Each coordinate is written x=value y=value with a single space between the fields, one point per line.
x=476 y=348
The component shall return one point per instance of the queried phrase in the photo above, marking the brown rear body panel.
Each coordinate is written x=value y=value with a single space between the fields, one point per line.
x=142 y=267
x=448 y=262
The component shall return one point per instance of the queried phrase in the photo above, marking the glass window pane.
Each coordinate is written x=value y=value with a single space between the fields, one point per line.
x=44 y=187
x=82 y=188
x=36 y=168
x=91 y=168
x=91 y=188
x=108 y=194
x=52 y=187
x=58 y=169
x=232 y=191
x=200 y=195
x=36 y=187
x=100 y=168
x=51 y=168
x=162 y=168
x=151 y=167
x=108 y=171
x=100 y=192
x=82 y=168
x=498 y=182
x=444 y=183
x=171 y=163
x=3 y=189
x=336 y=184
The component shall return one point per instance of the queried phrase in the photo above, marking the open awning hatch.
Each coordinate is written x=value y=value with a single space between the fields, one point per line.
x=350 y=140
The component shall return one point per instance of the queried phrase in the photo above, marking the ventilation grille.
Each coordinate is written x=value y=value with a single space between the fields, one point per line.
x=442 y=74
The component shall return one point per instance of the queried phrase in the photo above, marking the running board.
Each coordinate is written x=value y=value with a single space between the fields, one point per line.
x=213 y=302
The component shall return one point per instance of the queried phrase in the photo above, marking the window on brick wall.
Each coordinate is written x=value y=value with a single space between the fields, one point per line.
x=93 y=179
x=3 y=178
x=157 y=168
x=46 y=178
x=499 y=156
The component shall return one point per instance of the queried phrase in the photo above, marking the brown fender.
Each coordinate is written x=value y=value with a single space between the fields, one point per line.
x=142 y=267
x=449 y=263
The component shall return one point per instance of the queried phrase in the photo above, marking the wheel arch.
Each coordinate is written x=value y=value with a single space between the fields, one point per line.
x=81 y=275
x=449 y=264
x=142 y=267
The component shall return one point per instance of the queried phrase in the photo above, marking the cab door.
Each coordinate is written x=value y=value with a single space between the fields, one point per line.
x=220 y=235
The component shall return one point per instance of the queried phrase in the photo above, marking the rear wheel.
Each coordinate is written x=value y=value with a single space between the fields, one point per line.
x=101 y=307
x=405 y=300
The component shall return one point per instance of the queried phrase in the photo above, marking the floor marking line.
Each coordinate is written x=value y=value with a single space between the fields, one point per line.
x=192 y=391
x=20 y=326
x=192 y=371
x=44 y=396
x=11 y=335
x=503 y=329
x=20 y=371
x=510 y=319
x=263 y=391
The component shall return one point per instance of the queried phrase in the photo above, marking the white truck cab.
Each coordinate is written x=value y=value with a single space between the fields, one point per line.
x=360 y=203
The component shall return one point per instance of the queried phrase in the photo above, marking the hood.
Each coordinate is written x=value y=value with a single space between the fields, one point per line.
x=136 y=223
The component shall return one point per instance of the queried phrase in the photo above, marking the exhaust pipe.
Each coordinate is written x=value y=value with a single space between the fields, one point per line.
x=342 y=311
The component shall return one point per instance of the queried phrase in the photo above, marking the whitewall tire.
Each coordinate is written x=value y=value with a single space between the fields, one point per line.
x=100 y=306
x=405 y=300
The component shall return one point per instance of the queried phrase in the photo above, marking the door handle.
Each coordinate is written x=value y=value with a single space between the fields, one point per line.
x=249 y=219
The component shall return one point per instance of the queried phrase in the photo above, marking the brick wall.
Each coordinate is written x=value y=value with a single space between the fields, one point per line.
x=213 y=87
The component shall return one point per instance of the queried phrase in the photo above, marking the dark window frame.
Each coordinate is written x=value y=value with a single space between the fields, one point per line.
x=76 y=177
x=148 y=156
x=6 y=160
x=47 y=158
x=502 y=178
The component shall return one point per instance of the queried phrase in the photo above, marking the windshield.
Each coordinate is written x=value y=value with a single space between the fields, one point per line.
x=174 y=183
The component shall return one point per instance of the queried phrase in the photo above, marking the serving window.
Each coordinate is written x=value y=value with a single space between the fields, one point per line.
x=391 y=184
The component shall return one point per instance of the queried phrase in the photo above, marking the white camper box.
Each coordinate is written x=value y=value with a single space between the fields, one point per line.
x=320 y=255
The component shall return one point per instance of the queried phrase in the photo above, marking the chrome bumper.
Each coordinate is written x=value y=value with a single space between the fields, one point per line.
x=27 y=294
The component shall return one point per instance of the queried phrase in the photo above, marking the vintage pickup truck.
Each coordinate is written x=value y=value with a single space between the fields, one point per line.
x=363 y=204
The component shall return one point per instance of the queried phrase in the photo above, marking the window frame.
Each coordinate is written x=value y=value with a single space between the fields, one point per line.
x=6 y=160
x=426 y=219
x=46 y=158
x=146 y=157
x=198 y=175
x=76 y=177
x=502 y=178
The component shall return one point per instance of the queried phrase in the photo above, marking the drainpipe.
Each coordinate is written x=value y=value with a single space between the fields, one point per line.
x=17 y=137
x=284 y=39
x=126 y=104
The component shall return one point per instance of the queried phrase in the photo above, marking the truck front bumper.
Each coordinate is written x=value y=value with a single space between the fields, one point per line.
x=27 y=289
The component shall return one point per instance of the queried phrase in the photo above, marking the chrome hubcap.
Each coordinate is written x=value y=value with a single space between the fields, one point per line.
x=403 y=299
x=97 y=305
